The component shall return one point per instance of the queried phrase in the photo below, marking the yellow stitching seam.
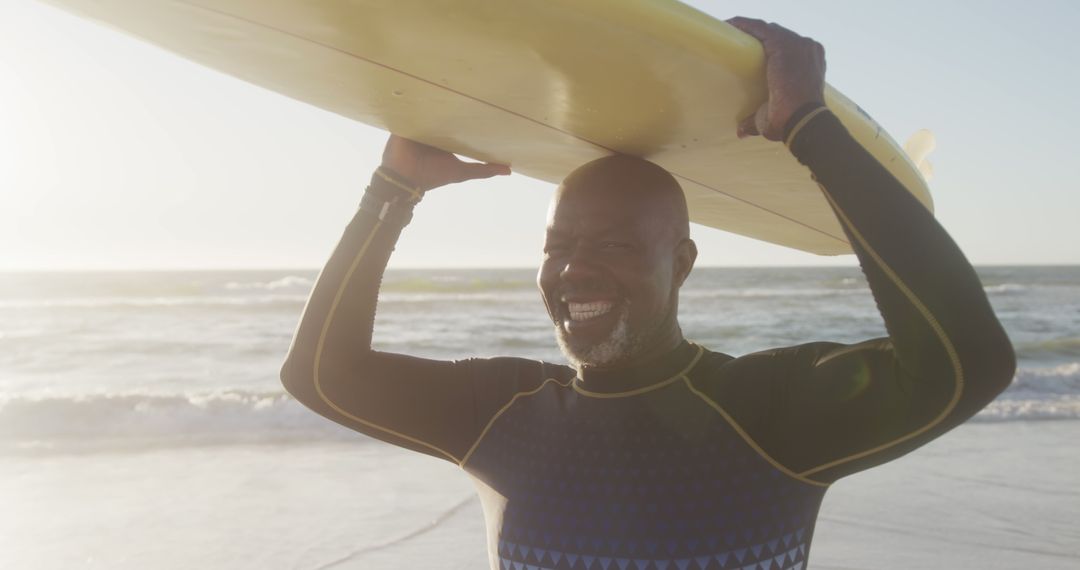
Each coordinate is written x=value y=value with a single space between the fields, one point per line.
x=499 y=413
x=749 y=441
x=415 y=192
x=802 y=123
x=938 y=329
x=644 y=389
x=322 y=339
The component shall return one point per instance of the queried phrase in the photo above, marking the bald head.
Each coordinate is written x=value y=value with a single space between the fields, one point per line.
x=627 y=180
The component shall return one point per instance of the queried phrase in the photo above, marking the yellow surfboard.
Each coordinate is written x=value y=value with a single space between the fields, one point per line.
x=542 y=85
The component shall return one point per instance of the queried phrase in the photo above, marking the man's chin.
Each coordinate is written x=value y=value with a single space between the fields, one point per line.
x=619 y=345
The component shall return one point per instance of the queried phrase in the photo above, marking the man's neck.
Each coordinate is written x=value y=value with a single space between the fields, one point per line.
x=642 y=371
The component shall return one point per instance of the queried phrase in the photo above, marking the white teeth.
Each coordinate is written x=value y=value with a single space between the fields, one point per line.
x=583 y=311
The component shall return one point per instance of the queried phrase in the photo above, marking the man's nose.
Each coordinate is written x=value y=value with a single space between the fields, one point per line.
x=580 y=268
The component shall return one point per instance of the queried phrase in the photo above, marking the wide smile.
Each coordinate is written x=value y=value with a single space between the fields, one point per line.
x=589 y=317
x=586 y=311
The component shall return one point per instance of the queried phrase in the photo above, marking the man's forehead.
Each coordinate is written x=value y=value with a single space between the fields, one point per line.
x=600 y=203
x=598 y=228
x=599 y=215
x=617 y=193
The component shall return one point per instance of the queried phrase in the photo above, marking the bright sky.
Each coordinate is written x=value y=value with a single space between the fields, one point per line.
x=115 y=154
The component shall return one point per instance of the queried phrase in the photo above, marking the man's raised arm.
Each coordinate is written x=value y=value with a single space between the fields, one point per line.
x=425 y=405
x=844 y=408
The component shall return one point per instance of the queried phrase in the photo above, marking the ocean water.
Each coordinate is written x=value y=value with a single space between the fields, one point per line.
x=142 y=424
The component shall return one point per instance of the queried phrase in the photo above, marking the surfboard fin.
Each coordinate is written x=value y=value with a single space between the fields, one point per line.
x=918 y=146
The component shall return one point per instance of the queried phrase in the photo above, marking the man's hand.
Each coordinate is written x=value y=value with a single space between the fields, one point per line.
x=794 y=73
x=428 y=167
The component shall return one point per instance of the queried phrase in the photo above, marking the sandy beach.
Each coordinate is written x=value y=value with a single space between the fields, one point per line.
x=987 y=496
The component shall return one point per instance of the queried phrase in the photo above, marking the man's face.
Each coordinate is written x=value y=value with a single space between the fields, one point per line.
x=610 y=275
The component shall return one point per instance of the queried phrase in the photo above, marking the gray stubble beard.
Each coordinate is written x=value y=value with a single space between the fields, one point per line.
x=620 y=344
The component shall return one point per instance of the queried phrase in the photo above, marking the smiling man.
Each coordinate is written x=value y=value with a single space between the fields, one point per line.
x=651 y=452
x=621 y=306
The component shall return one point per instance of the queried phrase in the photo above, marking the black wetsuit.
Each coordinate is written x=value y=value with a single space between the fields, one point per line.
x=697 y=460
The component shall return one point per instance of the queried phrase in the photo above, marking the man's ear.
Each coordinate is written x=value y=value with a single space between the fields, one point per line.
x=685 y=255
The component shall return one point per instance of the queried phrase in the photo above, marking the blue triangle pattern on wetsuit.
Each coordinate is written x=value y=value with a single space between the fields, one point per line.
x=654 y=481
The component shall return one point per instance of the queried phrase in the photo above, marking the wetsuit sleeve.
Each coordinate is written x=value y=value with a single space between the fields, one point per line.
x=431 y=406
x=825 y=410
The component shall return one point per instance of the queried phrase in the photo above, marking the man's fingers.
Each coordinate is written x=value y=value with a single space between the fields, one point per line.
x=477 y=170
x=757 y=28
x=748 y=24
x=748 y=127
x=770 y=34
x=489 y=169
x=758 y=124
x=497 y=169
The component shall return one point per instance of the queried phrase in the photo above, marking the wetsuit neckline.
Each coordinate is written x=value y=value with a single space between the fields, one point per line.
x=659 y=369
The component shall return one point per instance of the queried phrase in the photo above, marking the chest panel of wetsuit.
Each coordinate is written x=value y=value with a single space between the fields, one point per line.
x=652 y=480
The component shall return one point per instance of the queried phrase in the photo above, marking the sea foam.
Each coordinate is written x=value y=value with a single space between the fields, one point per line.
x=240 y=416
x=232 y=416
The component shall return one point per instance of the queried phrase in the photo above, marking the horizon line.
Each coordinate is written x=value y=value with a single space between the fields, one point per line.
x=452 y=268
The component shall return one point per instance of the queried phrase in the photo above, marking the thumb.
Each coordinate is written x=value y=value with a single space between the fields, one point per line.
x=478 y=170
x=754 y=124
